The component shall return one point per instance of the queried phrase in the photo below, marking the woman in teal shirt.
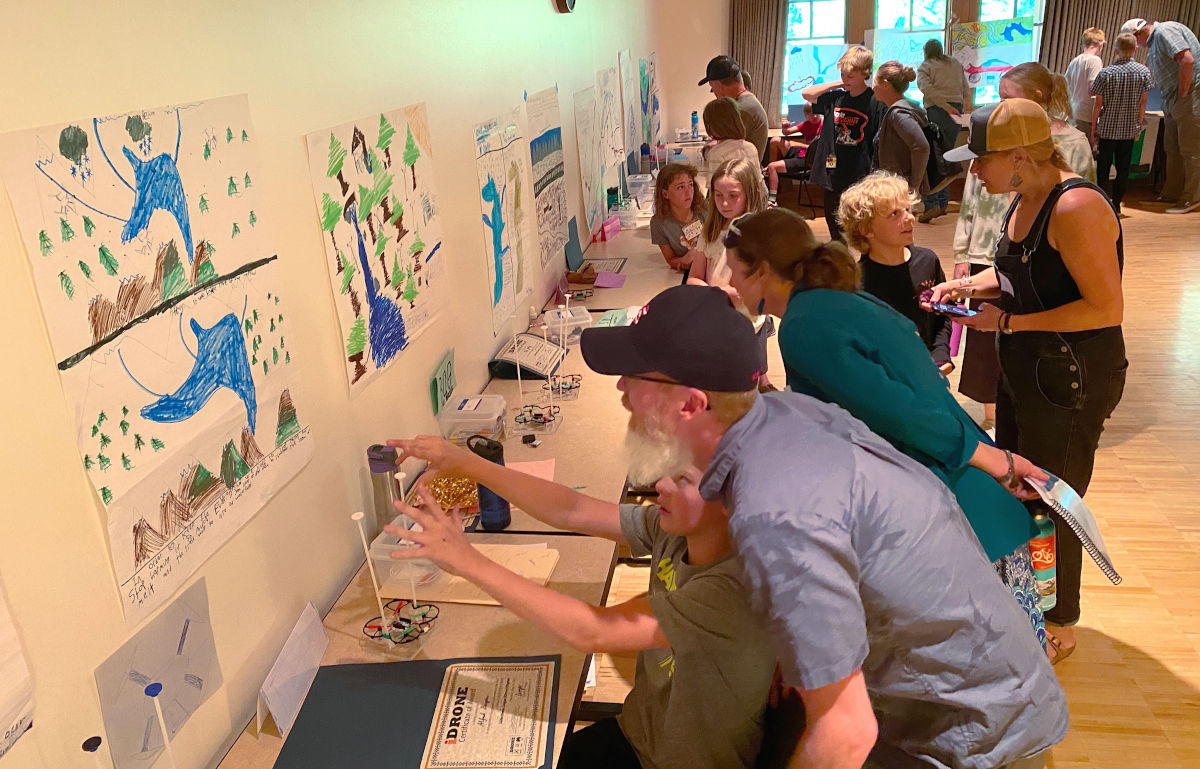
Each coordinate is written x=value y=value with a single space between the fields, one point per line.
x=843 y=346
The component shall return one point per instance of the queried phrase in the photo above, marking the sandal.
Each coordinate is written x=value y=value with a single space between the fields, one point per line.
x=1060 y=652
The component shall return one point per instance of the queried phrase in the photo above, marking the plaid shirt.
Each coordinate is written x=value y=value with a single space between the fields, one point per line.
x=1121 y=86
x=1168 y=39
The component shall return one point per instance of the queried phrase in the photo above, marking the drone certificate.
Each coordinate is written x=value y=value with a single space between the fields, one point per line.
x=491 y=715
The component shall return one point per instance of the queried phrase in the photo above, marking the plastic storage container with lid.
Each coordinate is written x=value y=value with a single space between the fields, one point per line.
x=395 y=572
x=469 y=415
x=569 y=322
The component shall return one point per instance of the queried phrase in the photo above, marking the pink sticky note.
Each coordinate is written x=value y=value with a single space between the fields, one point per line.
x=609 y=280
x=543 y=469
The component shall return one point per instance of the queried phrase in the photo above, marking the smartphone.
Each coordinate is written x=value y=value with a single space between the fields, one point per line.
x=953 y=309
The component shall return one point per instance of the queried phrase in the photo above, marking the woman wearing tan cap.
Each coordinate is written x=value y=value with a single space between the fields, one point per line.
x=1057 y=286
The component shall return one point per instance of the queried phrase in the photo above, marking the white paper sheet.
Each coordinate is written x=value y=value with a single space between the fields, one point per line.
x=286 y=685
x=16 y=687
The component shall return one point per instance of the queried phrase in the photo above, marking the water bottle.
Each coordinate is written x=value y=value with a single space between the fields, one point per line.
x=695 y=124
x=493 y=508
x=382 y=461
x=644 y=166
x=1041 y=553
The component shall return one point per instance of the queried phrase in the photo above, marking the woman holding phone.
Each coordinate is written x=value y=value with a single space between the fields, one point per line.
x=1062 y=355
x=847 y=347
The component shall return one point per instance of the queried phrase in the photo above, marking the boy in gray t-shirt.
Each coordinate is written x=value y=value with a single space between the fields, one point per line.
x=703 y=668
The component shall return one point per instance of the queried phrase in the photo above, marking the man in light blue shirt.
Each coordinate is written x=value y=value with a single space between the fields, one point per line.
x=878 y=599
x=1171 y=50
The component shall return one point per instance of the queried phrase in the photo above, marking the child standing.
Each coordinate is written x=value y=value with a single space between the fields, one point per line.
x=678 y=210
x=727 y=133
x=876 y=214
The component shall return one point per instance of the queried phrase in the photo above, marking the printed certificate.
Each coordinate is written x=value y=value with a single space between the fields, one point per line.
x=491 y=715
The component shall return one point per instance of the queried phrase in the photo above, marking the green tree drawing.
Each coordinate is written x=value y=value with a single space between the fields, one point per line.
x=87 y=271
x=356 y=342
x=236 y=230
x=253 y=219
x=228 y=135
x=68 y=287
x=417 y=246
x=347 y=276
x=331 y=214
x=88 y=462
x=245 y=137
x=104 y=441
x=397 y=271
x=246 y=181
x=101 y=418
x=411 y=153
x=106 y=495
x=410 y=288
x=203 y=204
x=44 y=243
x=108 y=261
x=95 y=430
x=65 y=230
x=156 y=444
x=88 y=227
x=232 y=190
x=105 y=462
x=124 y=425
x=386 y=132
x=337 y=157
x=125 y=463
x=207 y=150
x=274 y=354
x=138 y=441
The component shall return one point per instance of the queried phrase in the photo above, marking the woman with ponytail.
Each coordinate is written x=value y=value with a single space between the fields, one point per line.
x=900 y=145
x=846 y=347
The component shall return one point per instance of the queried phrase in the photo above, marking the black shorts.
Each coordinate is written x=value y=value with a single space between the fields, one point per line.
x=794 y=162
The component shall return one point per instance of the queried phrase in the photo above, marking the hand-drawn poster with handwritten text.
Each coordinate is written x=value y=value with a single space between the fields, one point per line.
x=161 y=293
x=630 y=112
x=505 y=197
x=373 y=180
x=610 y=134
x=549 y=184
x=588 y=143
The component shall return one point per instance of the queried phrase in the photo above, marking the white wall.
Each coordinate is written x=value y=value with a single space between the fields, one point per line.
x=690 y=33
x=305 y=66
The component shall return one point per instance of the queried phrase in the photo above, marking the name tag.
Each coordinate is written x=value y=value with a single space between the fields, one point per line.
x=691 y=230
x=831 y=161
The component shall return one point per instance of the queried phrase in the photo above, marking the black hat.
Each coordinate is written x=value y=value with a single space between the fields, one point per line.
x=691 y=333
x=721 y=68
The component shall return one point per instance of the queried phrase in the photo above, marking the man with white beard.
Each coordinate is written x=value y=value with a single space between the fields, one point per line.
x=703 y=666
x=879 y=601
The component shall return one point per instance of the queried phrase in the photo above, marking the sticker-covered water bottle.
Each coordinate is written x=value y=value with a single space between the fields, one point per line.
x=1041 y=553
x=493 y=508
x=695 y=124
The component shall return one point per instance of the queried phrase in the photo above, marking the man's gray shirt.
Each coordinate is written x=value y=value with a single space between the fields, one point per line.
x=754 y=118
x=856 y=556
x=1166 y=40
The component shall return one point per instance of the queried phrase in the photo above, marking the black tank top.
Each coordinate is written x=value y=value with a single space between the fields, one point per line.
x=1040 y=280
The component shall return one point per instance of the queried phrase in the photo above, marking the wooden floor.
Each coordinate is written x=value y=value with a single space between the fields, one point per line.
x=1134 y=682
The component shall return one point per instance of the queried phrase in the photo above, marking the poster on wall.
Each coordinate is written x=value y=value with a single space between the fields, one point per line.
x=809 y=64
x=651 y=104
x=549 y=183
x=378 y=207
x=610 y=132
x=161 y=292
x=505 y=195
x=630 y=112
x=587 y=142
x=16 y=687
x=176 y=650
x=988 y=49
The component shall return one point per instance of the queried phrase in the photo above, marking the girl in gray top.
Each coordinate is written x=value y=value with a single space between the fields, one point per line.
x=900 y=145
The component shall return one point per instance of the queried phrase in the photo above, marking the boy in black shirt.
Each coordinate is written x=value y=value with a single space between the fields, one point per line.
x=851 y=116
x=877 y=215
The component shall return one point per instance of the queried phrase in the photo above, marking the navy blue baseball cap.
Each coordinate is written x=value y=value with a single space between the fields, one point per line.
x=693 y=334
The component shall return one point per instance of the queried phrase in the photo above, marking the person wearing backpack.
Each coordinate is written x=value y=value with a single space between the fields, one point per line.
x=901 y=145
x=943 y=81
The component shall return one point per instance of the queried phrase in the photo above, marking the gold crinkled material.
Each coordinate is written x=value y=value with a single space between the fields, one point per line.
x=454 y=491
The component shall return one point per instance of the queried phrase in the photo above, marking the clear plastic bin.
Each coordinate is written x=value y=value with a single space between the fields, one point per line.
x=398 y=572
x=569 y=322
x=469 y=415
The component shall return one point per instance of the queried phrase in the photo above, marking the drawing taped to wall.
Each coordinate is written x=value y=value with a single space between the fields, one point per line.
x=587 y=142
x=651 y=106
x=988 y=49
x=159 y=287
x=549 y=183
x=631 y=96
x=505 y=195
x=373 y=183
x=609 y=130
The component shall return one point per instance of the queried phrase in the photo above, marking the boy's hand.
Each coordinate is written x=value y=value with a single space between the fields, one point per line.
x=441 y=538
x=441 y=454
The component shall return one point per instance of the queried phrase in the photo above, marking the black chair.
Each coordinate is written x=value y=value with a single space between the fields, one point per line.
x=804 y=196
